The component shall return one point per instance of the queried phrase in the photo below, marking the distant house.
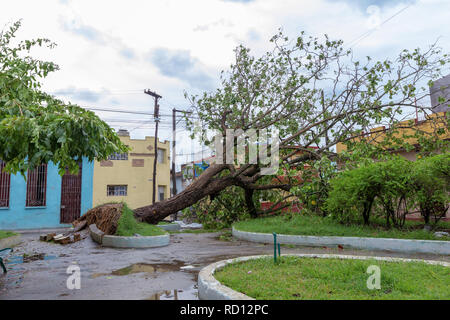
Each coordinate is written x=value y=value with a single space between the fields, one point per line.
x=428 y=125
x=128 y=177
x=194 y=169
x=44 y=199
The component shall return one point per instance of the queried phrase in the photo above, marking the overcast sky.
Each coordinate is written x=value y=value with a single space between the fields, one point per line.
x=110 y=51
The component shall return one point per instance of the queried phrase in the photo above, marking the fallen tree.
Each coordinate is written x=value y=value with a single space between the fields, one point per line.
x=106 y=217
x=315 y=95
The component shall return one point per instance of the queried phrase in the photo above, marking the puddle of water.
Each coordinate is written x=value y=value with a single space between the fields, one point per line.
x=190 y=294
x=29 y=258
x=14 y=265
x=143 y=268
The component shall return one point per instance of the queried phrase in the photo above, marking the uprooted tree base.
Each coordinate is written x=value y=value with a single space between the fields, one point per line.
x=106 y=217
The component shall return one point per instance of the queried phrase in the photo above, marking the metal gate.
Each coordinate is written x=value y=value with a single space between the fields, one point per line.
x=71 y=196
x=5 y=181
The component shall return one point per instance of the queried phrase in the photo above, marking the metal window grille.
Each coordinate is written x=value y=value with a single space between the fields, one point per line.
x=37 y=186
x=117 y=191
x=5 y=181
x=118 y=156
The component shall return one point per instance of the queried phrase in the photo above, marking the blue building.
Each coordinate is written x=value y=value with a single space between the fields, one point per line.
x=45 y=199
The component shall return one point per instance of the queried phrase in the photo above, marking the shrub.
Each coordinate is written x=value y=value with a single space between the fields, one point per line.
x=431 y=182
x=353 y=192
x=219 y=211
x=393 y=188
x=313 y=192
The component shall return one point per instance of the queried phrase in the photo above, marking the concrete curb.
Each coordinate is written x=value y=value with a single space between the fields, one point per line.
x=10 y=241
x=170 y=227
x=209 y=288
x=398 y=245
x=127 y=242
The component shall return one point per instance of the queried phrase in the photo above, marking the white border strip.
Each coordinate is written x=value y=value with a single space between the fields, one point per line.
x=127 y=242
x=398 y=245
x=209 y=288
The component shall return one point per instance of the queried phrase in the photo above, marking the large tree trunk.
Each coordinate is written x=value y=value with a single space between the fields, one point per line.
x=206 y=184
x=249 y=203
x=209 y=183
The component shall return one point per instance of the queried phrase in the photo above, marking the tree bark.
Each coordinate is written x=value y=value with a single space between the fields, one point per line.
x=209 y=183
x=206 y=184
x=249 y=203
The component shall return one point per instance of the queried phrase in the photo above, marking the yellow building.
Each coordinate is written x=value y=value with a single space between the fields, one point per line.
x=434 y=125
x=128 y=177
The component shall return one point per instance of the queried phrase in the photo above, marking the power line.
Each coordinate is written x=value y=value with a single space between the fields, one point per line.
x=129 y=112
x=368 y=33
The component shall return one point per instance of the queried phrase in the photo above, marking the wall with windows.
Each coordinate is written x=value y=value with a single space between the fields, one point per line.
x=128 y=177
x=41 y=212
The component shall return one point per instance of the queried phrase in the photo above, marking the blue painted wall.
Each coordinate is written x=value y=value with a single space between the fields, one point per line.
x=18 y=216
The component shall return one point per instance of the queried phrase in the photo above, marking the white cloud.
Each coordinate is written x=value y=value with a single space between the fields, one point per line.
x=103 y=46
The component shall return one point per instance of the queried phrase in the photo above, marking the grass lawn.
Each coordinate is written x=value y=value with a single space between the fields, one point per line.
x=296 y=278
x=128 y=226
x=318 y=226
x=6 y=234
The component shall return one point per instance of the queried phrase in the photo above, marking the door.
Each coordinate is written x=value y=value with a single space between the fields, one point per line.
x=71 y=196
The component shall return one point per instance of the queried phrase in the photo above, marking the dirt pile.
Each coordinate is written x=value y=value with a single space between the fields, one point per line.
x=105 y=217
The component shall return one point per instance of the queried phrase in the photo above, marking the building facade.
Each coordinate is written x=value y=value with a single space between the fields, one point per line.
x=128 y=177
x=44 y=199
x=193 y=169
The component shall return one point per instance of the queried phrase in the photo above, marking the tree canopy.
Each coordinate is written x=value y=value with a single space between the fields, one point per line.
x=316 y=95
x=36 y=127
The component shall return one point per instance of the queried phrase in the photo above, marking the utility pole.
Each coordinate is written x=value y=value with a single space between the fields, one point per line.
x=174 y=153
x=156 y=116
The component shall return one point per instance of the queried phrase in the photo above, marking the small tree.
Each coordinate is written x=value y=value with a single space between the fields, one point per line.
x=35 y=127
x=431 y=185
x=354 y=191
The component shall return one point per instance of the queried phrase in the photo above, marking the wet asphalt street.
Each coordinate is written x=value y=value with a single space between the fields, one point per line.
x=158 y=273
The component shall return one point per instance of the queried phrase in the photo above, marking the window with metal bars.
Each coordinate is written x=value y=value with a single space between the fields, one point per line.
x=118 y=156
x=5 y=182
x=116 y=190
x=37 y=186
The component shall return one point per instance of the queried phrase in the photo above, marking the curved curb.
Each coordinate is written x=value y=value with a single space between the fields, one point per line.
x=209 y=288
x=127 y=242
x=10 y=241
x=170 y=227
x=398 y=245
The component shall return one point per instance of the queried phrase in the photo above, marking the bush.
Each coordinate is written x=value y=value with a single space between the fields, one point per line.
x=431 y=182
x=392 y=188
x=313 y=192
x=220 y=211
x=353 y=192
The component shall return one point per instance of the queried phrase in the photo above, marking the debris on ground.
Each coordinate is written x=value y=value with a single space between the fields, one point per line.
x=440 y=234
x=28 y=258
x=189 y=225
x=67 y=238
